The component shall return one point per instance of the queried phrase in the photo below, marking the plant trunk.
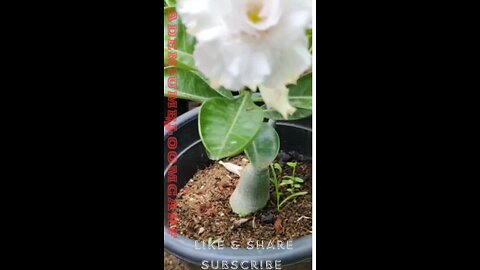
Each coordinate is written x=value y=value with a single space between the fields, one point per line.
x=252 y=192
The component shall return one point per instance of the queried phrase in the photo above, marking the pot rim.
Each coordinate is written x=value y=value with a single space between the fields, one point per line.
x=184 y=248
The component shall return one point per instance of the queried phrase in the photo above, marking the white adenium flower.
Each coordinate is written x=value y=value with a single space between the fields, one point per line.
x=251 y=43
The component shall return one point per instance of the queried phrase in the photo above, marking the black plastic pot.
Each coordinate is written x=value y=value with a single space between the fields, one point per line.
x=294 y=136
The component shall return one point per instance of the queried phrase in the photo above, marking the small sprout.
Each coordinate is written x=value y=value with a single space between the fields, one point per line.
x=278 y=167
x=298 y=180
x=275 y=183
x=291 y=181
x=286 y=182
x=292 y=164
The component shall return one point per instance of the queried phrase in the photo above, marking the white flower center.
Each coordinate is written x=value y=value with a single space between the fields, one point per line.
x=262 y=14
x=253 y=11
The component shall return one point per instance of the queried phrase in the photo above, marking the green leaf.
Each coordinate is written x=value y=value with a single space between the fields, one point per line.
x=190 y=86
x=278 y=167
x=300 y=95
x=298 y=114
x=228 y=126
x=292 y=164
x=222 y=91
x=264 y=148
x=171 y=3
x=309 y=36
x=286 y=182
x=298 y=180
x=185 y=43
x=297 y=185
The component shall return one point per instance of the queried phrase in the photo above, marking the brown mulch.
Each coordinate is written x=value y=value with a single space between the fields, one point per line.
x=204 y=209
x=172 y=263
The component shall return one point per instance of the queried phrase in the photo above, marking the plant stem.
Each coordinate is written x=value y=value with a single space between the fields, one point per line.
x=275 y=182
x=257 y=99
x=293 y=174
x=244 y=92
x=252 y=191
x=272 y=122
x=293 y=196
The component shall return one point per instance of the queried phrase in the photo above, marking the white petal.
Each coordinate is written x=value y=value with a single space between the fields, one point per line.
x=203 y=18
x=278 y=100
x=290 y=63
x=232 y=64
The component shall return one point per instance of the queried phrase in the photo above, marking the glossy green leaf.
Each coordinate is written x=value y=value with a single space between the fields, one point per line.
x=264 y=148
x=300 y=95
x=228 y=126
x=222 y=91
x=190 y=86
x=298 y=114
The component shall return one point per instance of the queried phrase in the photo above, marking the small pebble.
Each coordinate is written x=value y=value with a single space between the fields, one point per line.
x=267 y=219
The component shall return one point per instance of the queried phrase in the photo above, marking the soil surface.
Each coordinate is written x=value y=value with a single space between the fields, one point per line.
x=172 y=263
x=205 y=214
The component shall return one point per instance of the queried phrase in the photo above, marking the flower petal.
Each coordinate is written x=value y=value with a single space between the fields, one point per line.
x=277 y=99
x=247 y=43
